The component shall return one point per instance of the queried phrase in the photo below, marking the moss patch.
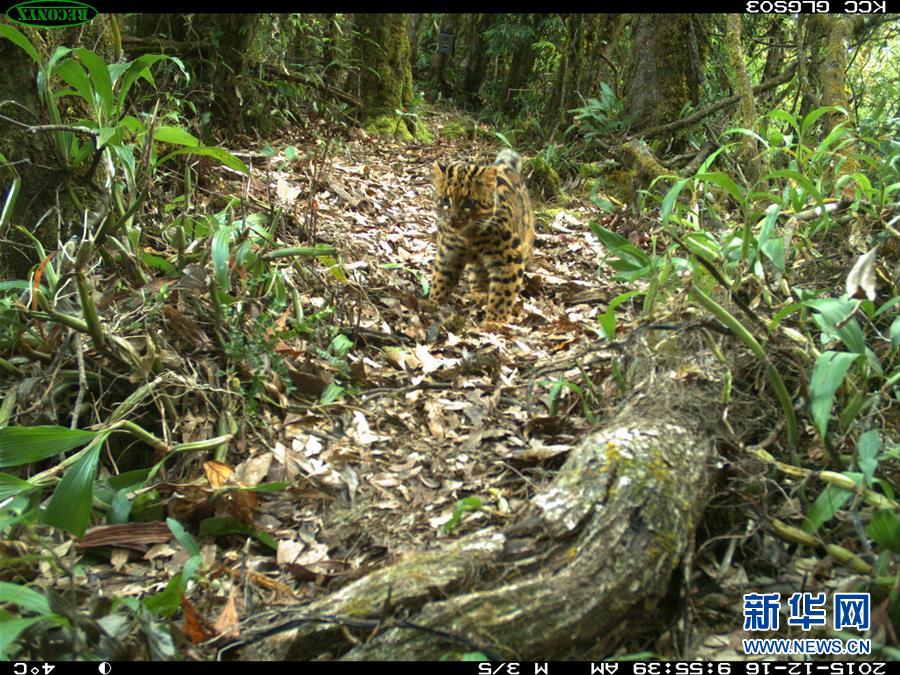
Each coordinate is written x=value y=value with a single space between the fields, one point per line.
x=391 y=126
x=394 y=126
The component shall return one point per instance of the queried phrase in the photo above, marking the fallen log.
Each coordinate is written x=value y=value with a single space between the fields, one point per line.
x=598 y=546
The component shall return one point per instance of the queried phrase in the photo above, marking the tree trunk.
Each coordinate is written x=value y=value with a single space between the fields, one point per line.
x=660 y=83
x=747 y=108
x=520 y=69
x=442 y=57
x=32 y=158
x=602 y=540
x=384 y=84
x=477 y=61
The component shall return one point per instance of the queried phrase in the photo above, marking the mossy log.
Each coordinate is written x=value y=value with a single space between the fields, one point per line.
x=596 y=547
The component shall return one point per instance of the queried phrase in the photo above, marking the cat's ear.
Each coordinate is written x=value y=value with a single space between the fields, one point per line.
x=438 y=170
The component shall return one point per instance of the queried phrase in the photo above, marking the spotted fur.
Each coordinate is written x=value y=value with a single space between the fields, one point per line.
x=485 y=221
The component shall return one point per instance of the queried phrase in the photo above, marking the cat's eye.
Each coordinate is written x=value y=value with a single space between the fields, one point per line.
x=444 y=202
x=467 y=204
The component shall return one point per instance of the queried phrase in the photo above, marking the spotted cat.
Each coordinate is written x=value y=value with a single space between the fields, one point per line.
x=485 y=221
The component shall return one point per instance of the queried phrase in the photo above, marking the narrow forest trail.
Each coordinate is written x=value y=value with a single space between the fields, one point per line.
x=435 y=418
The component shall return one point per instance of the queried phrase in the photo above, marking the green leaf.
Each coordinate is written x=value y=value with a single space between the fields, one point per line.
x=725 y=182
x=331 y=393
x=106 y=134
x=134 y=69
x=223 y=156
x=828 y=503
x=100 y=80
x=183 y=536
x=24 y=445
x=70 y=507
x=884 y=528
x=831 y=317
x=11 y=486
x=75 y=76
x=774 y=251
x=669 y=200
x=867 y=448
x=463 y=505
x=827 y=376
x=175 y=136
x=220 y=255
x=216 y=527
x=895 y=332
x=607 y=320
x=786 y=117
x=168 y=601
x=24 y=597
x=798 y=178
x=22 y=42
x=814 y=115
x=11 y=628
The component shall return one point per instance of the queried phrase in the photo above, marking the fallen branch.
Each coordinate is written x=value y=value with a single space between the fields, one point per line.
x=602 y=539
x=715 y=107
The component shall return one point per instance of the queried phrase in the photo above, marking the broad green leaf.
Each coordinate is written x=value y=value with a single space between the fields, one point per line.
x=24 y=445
x=223 y=156
x=183 y=536
x=24 y=597
x=100 y=79
x=884 y=528
x=786 y=117
x=158 y=263
x=76 y=77
x=798 y=178
x=774 y=251
x=814 y=115
x=608 y=238
x=725 y=182
x=70 y=506
x=11 y=486
x=216 y=527
x=895 y=332
x=669 y=200
x=221 y=256
x=831 y=317
x=22 y=42
x=14 y=285
x=11 y=628
x=867 y=448
x=827 y=376
x=130 y=74
x=331 y=393
x=607 y=320
x=175 y=136
x=828 y=503
x=106 y=134
x=168 y=601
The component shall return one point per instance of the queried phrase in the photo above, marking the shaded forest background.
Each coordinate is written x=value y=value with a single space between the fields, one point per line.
x=226 y=422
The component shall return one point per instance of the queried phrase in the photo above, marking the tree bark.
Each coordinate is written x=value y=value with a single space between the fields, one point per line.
x=382 y=44
x=440 y=60
x=476 y=63
x=601 y=540
x=747 y=108
x=660 y=81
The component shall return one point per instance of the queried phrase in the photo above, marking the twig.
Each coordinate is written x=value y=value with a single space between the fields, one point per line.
x=82 y=380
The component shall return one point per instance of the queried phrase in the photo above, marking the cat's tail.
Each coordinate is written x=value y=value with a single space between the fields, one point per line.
x=509 y=158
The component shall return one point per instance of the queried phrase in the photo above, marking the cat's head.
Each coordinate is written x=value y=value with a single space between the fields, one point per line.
x=464 y=192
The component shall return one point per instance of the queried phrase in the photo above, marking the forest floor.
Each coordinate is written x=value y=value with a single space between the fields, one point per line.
x=436 y=415
x=440 y=431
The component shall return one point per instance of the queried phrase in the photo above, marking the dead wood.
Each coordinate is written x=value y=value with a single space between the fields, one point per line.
x=715 y=107
x=603 y=539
